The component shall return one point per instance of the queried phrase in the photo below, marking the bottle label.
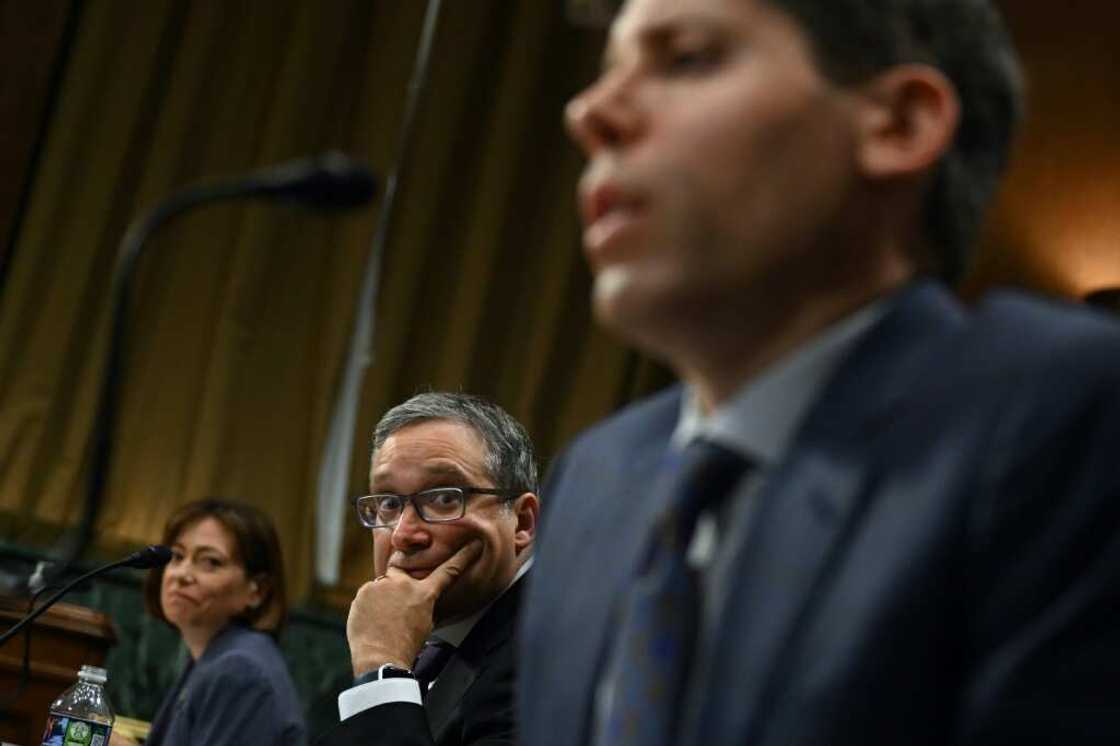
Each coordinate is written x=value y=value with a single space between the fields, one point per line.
x=63 y=730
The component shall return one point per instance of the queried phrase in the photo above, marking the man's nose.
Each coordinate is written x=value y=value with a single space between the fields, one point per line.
x=604 y=115
x=411 y=530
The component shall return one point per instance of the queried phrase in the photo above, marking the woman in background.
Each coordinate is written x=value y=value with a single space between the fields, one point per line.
x=224 y=592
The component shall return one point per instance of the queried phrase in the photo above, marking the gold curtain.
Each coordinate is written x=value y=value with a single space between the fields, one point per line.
x=242 y=315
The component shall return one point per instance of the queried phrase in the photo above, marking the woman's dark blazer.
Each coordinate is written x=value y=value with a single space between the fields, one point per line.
x=238 y=693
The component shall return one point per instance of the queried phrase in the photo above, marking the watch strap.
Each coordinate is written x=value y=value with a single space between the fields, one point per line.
x=382 y=672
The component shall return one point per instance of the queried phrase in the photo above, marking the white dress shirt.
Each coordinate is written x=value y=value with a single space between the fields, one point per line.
x=761 y=419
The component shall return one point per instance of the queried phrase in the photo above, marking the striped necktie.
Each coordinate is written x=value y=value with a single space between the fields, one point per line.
x=660 y=619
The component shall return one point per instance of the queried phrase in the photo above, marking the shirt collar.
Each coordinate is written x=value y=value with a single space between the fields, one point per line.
x=761 y=418
x=456 y=632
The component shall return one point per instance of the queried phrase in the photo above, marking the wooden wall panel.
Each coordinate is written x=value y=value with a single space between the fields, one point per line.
x=32 y=47
x=1057 y=224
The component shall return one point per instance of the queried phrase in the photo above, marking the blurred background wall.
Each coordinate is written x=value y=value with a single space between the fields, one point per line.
x=242 y=314
x=1056 y=227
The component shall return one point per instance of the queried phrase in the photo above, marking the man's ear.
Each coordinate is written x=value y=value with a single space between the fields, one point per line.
x=909 y=117
x=527 y=511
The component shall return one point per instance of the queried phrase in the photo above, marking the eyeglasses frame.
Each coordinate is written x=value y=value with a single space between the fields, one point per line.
x=508 y=494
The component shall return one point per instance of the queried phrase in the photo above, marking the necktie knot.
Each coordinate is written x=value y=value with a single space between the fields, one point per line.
x=431 y=660
x=704 y=474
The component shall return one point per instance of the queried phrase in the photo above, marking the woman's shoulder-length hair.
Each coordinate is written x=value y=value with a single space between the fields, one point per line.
x=256 y=546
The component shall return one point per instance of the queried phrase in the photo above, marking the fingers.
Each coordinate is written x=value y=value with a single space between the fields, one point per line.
x=444 y=575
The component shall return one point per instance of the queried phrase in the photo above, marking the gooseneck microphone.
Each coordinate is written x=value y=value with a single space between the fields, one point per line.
x=332 y=181
x=155 y=555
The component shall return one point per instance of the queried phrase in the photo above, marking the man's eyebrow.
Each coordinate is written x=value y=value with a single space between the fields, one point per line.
x=445 y=470
x=657 y=34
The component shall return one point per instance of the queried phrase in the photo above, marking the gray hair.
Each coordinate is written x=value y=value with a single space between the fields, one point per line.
x=509 y=452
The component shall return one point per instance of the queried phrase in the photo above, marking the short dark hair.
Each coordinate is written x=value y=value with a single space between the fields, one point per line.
x=256 y=548
x=967 y=41
x=853 y=40
x=510 y=461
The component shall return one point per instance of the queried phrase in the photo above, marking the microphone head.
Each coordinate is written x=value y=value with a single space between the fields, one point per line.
x=332 y=180
x=155 y=555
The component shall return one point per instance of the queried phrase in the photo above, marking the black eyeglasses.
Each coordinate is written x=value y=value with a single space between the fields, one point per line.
x=439 y=505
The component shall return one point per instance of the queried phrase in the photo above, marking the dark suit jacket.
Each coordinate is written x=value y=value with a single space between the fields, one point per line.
x=936 y=560
x=237 y=693
x=471 y=701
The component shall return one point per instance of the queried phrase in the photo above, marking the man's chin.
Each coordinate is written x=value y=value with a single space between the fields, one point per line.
x=633 y=309
x=616 y=301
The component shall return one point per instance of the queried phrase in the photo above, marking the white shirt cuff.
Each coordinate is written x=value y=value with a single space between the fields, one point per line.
x=373 y=693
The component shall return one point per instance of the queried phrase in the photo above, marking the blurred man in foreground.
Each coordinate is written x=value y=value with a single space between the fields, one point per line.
x=869 y=515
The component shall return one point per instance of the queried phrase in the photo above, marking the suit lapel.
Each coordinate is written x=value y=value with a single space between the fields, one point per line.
x=793 y=538
x=636 y=503
x=446 y=695
x=494 y=628
x=805 y=511
x=610 y=507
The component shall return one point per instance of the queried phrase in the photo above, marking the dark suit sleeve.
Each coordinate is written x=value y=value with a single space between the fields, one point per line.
x=1045 y=571
x=485 y=717
x=396 y=723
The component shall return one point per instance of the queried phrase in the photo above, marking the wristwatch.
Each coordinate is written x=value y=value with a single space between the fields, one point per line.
x=383 y=672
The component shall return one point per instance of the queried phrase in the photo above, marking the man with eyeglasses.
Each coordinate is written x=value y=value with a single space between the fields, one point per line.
x=453 y=512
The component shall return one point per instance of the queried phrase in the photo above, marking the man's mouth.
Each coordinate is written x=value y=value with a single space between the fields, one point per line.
x=609 y=214
x=413 y=571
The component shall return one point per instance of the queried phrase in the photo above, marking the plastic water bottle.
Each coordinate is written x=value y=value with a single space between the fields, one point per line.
x=81 y=716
